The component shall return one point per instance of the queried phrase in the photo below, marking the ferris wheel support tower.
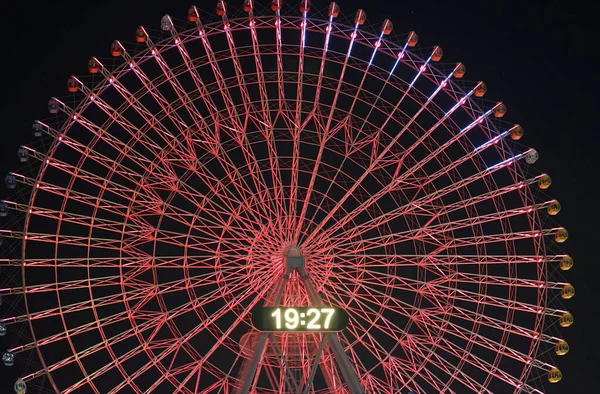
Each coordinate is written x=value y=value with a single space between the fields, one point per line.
x=295 y=262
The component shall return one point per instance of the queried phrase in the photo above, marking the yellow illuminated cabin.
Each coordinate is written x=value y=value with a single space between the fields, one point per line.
x=554 y=375
x=562 y=348
x=566 y=263
x=553 y=208
x=566 y=319
x=561 y=235
x=568 y=291
x=544 y=182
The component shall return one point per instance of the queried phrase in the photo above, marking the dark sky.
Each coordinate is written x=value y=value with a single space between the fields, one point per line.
x=538 y=57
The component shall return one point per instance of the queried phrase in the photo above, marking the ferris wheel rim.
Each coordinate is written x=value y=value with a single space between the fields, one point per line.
x=82 y=109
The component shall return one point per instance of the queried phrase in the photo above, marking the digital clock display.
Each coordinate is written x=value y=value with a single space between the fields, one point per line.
x=317 y=319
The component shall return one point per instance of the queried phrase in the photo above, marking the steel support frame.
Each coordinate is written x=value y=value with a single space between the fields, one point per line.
x=348 y=374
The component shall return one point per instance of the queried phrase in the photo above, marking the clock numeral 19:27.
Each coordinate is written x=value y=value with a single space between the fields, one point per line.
x=292 y=318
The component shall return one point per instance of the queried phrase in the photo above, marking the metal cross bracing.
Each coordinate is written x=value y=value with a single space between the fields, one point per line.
x=302 y=383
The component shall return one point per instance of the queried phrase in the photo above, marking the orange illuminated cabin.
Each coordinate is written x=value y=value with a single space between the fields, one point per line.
x=72 y=85
x=413 y=39
x=360 y=17
x=499 y=110
x=459 y=71
x=516 y=132
x=220 y=8
x=140 y=35
x=305 y=6
x=115 y=49
x=437 y=54
x=334 y=10
x=192 y=15
x=387 y=27
x=480 y=89
x=93 y=66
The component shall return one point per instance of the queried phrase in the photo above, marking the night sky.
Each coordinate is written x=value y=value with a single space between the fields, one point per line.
x=538 y=57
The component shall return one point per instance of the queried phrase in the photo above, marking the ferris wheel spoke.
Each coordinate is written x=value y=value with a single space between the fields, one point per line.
x=379 y=352
x=283 y=108
x=233 y=221
x=425 y=205
x=71 y=332
x=112 y=226
x=469 y=357
x=136 y=293
x=377 y=157
x=279 y=55
x=398 y=178
x=231 y=304
x=232 y=173
x=138 y=134
x=319 y=85
x=358 y=90
x=72 y=240
x=296 y=131
x=152 y=121
x=434 y=288
x=196 y=282
x=472 y=298
x=478 y=340
x=147 y=325
x=387 y=83
x=110 y=187
x=497 y=280
x=364 y=302
x=428 y=357
x=207 y=204
x=182 y=94
x=357 y=261
x=211 y=231
x=501 y=326
x=159 y=262
x=249 y=155
x=420 y=204
x=324 y=136
x=384 y=300
x=267 y=126
x=173 y=347
x=377 y=279
x=238 y=126
x=437 y=230
x=199 y=85
x=124 y=149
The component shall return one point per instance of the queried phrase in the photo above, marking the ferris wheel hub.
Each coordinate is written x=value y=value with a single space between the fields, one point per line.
x=293 y=257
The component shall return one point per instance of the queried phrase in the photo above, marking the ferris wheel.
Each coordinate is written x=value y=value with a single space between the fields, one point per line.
x=202 y=207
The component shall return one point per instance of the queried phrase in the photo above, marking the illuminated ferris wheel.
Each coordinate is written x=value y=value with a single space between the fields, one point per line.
x=261 y=200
